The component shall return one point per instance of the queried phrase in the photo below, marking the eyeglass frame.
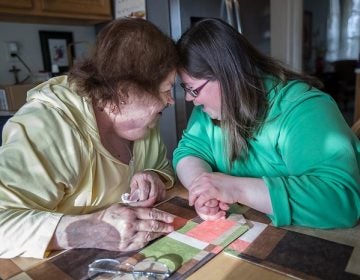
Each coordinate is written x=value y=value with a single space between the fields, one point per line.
x=193 y=92
x=135 y=273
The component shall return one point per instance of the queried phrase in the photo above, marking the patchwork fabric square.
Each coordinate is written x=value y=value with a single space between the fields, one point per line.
x=194 y=243
x=300 y=252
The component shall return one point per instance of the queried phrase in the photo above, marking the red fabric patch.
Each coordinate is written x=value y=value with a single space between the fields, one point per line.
x=179 y=222
x=210 y=230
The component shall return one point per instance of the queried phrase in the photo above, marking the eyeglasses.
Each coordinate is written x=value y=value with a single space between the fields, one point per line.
x=193 y=92
x=147 y=269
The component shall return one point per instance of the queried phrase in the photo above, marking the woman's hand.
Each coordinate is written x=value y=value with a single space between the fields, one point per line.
x=211 y=193
x=211 y=210
x=117 y=228
x=228 y=190
x=146 y=189
x=136 y=226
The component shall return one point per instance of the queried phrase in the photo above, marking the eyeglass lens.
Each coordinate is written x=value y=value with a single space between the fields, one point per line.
x=193 y=92
x=102 y=269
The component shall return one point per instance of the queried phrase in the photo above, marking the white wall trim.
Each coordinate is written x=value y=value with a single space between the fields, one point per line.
x=286 y=21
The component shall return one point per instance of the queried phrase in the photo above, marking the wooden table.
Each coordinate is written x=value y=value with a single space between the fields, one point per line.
x=222 y=266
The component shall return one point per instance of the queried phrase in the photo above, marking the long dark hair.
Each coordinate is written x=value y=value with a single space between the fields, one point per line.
x=214 y=50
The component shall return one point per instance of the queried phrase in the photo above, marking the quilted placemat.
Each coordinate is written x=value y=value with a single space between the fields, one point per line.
x=299 y=252
x=195 y=241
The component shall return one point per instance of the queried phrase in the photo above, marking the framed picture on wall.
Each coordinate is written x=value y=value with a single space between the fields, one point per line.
x=57 y=50
x=130 y=8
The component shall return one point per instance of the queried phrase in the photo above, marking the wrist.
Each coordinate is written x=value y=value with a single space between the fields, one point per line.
x=157 y=174
x=68 y=233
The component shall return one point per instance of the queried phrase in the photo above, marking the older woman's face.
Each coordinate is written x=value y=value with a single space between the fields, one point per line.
x=209 y=96
x=140 y=114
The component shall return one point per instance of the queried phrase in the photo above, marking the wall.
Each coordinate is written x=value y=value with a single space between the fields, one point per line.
x=27 y=37
x=286 y=32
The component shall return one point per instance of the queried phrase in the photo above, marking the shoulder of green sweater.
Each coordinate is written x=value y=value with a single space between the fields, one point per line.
x=294 y=93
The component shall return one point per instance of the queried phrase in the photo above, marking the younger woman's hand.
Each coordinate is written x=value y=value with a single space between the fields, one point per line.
x=213 y=186
x=210 y=213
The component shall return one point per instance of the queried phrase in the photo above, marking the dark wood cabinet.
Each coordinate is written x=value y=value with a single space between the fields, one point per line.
x=56 y=11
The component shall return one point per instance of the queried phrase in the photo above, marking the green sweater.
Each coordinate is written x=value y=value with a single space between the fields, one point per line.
x=305 y=152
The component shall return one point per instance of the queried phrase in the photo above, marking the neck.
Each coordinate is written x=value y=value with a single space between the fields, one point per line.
x=117 y=146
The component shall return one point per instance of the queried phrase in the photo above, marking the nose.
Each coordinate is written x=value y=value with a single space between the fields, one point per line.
x=188 y=97
x=170 y=100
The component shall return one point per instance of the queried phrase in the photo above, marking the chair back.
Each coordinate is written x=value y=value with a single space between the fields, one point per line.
x=356 y=128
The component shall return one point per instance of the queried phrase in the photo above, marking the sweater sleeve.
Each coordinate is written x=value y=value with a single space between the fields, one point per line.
x=195 y=140
x=37 y=169
x=322 y=187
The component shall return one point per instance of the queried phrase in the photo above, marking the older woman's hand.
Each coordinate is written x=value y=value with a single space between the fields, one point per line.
x=135 y=226
x=146 y=189
x=117 y=228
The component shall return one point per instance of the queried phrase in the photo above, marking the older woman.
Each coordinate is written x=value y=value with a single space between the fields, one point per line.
x=83 y=140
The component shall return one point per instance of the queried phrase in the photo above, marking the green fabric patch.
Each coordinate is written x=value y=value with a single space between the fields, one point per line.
x=237 y=208
x=230 y=238
x=170 y=252
x=188 y=226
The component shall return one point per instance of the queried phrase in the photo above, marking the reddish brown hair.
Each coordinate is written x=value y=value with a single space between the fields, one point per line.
x=128 y=54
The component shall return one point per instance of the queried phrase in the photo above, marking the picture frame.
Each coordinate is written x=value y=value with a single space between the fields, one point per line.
x=130 y=8
x=55 y=48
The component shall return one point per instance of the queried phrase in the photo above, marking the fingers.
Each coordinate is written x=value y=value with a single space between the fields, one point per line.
x=209 y=213
x=144 y=191
x=202 y=200
x=147 y=188
x=134 y=195
x=139 y=191
x=139 y=240
x=198 y=191
x=207 y=210
x=217 y=216
x=192 y=199
x=153 y=214
x=224 y=206
x=146 y=203
x=212 y=203
x=153 y=226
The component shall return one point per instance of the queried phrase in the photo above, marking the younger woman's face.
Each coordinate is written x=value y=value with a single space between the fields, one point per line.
x=209 y=97
x=138 y=115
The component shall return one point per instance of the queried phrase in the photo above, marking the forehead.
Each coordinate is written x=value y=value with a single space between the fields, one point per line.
x=189 y=80
x=168 y=82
